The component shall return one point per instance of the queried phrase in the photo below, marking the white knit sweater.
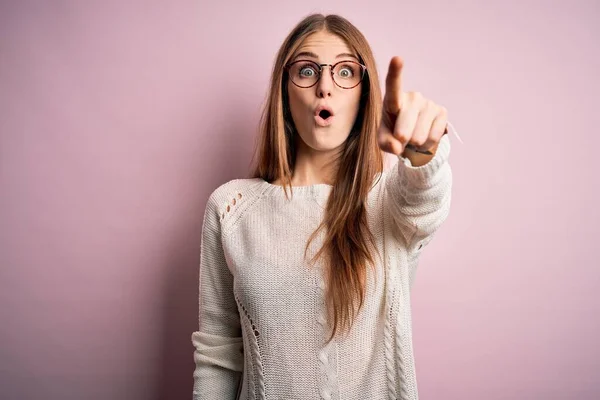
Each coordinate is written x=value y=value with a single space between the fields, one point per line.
x=262 y=322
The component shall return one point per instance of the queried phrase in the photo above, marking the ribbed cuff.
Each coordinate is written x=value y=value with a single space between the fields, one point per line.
x=424 y=172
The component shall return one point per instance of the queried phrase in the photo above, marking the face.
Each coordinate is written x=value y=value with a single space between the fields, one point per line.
x=315 y=132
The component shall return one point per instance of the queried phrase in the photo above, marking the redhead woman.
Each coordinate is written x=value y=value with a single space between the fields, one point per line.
x=306 y=266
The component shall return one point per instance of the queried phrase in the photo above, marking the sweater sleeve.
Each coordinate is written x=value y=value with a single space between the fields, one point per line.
x=218 y=354
x=418 y=198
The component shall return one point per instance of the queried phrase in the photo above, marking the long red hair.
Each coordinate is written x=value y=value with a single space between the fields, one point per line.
x=348 y=245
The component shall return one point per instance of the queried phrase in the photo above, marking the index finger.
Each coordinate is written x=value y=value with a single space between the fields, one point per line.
x=393 y=84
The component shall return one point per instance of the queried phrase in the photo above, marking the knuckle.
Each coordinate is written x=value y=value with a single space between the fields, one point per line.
x=402 y=99
x=402 y=137
x=382 y=141
x=419 y=141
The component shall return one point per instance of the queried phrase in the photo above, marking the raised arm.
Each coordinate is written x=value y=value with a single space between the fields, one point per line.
x=418 y=190
x=419 y=198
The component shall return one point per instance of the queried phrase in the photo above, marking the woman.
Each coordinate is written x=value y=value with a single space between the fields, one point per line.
x=306 y=267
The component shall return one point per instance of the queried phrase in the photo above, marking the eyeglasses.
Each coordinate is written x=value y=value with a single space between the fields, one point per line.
x=345 y=74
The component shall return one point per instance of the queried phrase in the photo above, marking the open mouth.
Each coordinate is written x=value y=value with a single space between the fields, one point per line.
x=324 y=114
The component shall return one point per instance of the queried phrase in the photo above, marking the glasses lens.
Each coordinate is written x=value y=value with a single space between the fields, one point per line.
x=304 y=73
x=347 y=74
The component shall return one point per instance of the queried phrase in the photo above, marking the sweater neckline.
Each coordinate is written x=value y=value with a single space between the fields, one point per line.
x=316 y=189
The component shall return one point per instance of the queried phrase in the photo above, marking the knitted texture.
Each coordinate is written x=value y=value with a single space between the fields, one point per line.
x=262 y=317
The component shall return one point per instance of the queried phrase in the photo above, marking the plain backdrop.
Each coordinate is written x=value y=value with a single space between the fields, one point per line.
x=119 y=118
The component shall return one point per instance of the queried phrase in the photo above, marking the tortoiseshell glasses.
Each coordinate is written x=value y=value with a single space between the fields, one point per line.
x=345 y=74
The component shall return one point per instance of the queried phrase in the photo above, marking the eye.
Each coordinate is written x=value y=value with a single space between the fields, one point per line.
x=346 y=70
x=307 y=71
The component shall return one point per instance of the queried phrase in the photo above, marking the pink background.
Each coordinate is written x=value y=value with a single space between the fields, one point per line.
x=117 y=120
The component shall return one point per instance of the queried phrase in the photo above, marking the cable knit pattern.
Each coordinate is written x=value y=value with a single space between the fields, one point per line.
x=387 y=332
x=326 y=355
x=262 y=316
x=257 y=384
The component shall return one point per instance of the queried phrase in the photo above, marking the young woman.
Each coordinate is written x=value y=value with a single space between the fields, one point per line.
x=306 y=267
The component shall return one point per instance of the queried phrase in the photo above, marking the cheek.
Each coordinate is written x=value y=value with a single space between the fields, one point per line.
x=297 y=103
x=353 y=108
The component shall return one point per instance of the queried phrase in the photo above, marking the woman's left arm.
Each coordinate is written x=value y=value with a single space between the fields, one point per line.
x=418 y=190
x=418 y=197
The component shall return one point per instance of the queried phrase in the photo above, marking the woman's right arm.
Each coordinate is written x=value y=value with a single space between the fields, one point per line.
x=218 y=354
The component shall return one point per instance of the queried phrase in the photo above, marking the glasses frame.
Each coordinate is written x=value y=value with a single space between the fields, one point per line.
x=363 y=69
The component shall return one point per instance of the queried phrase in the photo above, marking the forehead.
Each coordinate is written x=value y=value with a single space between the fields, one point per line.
x=325 y=45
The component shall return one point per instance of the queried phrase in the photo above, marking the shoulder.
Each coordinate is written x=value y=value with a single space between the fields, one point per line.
x=232 y=194
x=235 y=189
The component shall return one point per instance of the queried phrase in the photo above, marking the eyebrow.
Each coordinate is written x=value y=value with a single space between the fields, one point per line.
x=313 y=55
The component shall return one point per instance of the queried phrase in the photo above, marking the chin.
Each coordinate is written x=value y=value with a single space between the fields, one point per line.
x=320 y=142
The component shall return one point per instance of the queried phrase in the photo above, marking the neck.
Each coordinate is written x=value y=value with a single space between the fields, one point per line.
x=313 y=166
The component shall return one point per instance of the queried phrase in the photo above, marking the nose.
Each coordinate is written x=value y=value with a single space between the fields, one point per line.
x=325 y=84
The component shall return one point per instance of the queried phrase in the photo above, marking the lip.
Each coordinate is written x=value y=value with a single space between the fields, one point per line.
x=324 y=122
x=320 y=121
